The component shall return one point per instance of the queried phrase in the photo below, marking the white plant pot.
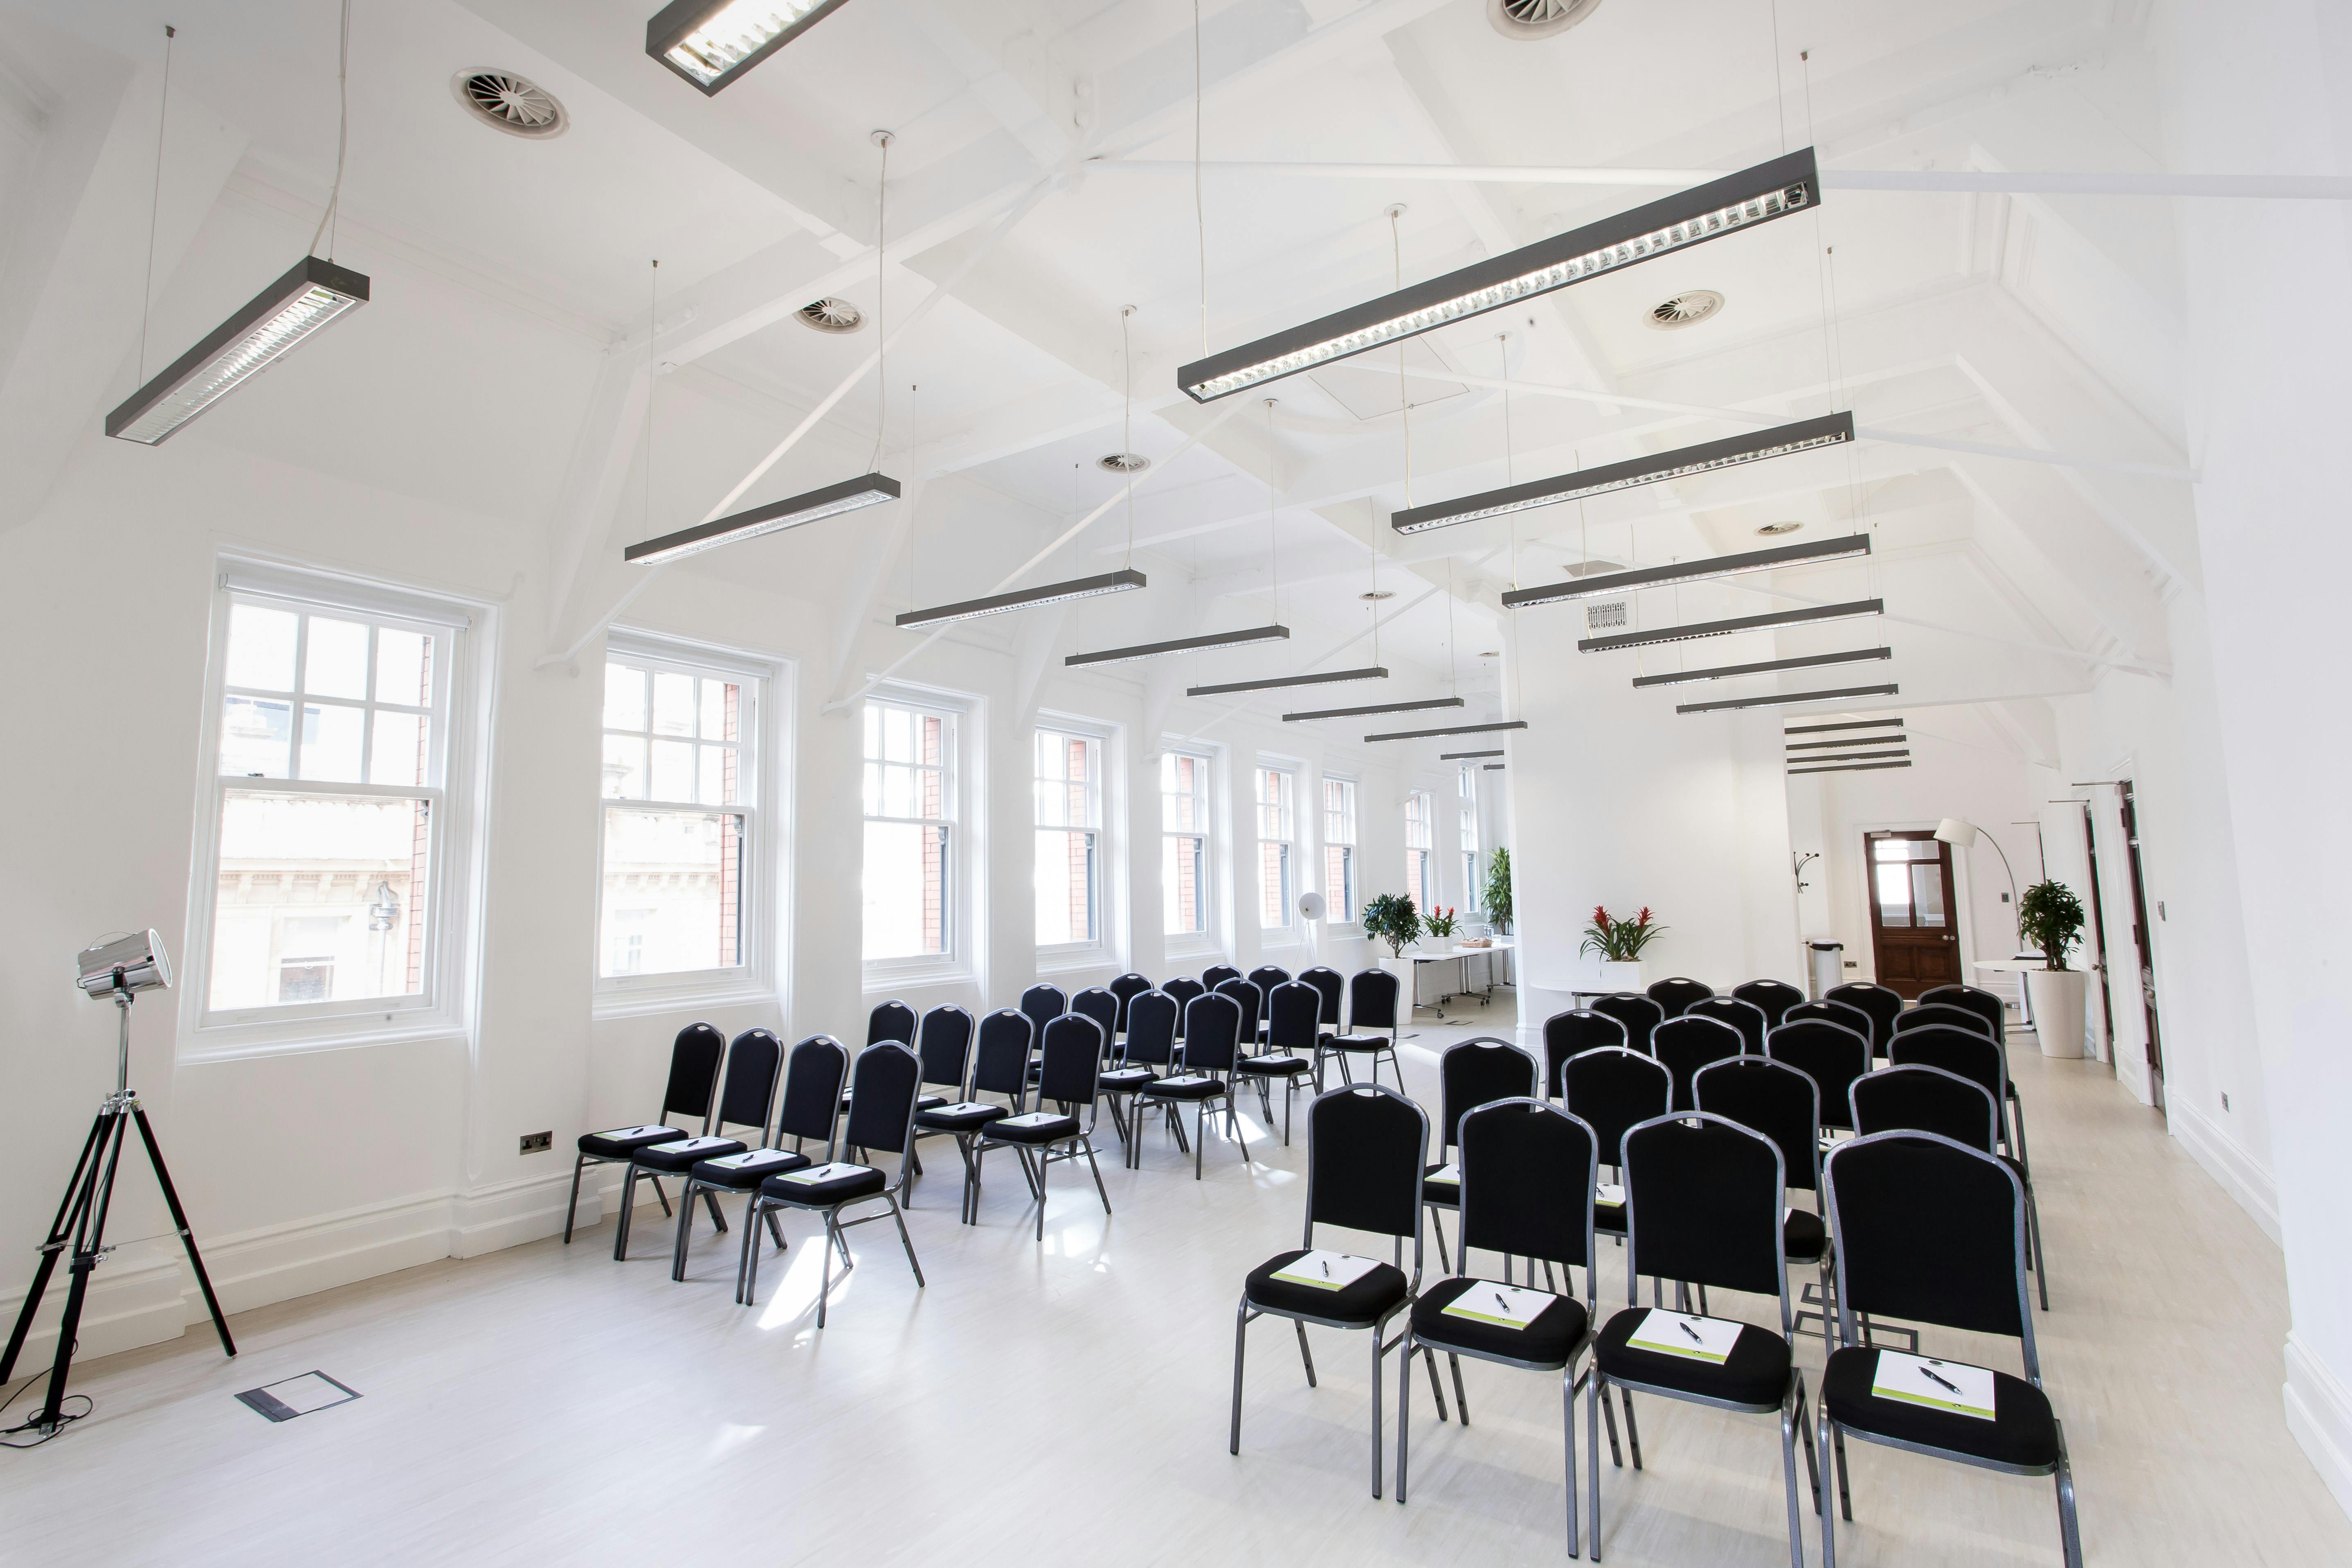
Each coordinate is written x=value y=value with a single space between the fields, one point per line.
x=1617 y=976
x=2057 y=995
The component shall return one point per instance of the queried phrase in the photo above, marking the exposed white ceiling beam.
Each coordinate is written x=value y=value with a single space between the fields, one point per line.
x=2265 y=187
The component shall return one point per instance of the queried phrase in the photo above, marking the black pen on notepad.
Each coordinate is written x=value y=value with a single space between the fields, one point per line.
x=1500 y=1302
x=1946 y=1382
x=1326 y=1268
x=1691 y=1332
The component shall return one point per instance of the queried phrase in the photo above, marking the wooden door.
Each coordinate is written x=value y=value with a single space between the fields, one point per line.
x=1914 y=917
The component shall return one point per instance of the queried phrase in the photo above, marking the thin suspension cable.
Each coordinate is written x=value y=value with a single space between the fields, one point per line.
x=882 y=139
x=1272 y=536
x=1404 y=400
x=342 y=137
x=653 y=323
x=155 y=202
x=1780 y=89
x=912 y=388
x=1503 y=352
x=1453 y=659
x=1125 y=424
x=1200 y=209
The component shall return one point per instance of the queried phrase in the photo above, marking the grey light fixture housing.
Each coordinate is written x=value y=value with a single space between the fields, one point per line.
x=849 y=495
x=1897 y=739
x=1846 y=768
x=1465 y=756
x=1850 y=610
x=1856 y=724
x=1051 y=594
x=710 y=45
x=1783 y=699
x=1455 y=729
x=1280 y=683
x=1493 y=767
x=1765 y=666
x=1847 y=757
x=1181 y=645
x=1700 y=570
x=1785 y=184
x=270 y=325
x=1802 y=436
x=1412 y=707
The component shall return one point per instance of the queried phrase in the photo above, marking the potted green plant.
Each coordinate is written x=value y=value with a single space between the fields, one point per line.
x=1441 y=923
x=2050 y=917
x=1498 y=892
x=1392 y=917
x=1620 y=943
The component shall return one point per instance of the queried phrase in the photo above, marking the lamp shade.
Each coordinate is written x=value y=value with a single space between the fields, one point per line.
x=1953 y=831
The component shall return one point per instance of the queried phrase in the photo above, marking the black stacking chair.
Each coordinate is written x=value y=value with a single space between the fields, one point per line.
x=1572 y=1034
x=882 y=1092
x=1784 y=1105
x=1675 y=995
x=890 y=1021
x=1528 y=1170
x=1636 y=1011
x=945 y=1055
x=999 y=1066
x=1372 y=1006
x=1365 y=1149
x=1127 y=988
x=1332 y=986
x=1844 y=1014
x=1914 y=1098
x=1469 y=1074
x=1182 y=990
x=1043 y=1005
x=745 y=1099
x=1984 y=1063
x=694 y=1060
x=1930 y=1231
x=1946 y=1015
x=1267 y=976
x=1148 y=1051
x=1832 y=1054
x=1976 y=999
x=1702 y=1199
x=1211 y=1045
x=811 y=1108
x=1102 y=1007
x=1291 y=1033
x=1612 y=1089
x=1775 y=996
x=1686 y=1045
x=1072 y=1062
x=1252 y=1002
x=1752 y=1022
x=1877 y=1001
x=1217 y=974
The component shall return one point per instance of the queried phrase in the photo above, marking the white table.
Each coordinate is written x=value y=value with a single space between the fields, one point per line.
x=2021 y=967
x=1408 y=966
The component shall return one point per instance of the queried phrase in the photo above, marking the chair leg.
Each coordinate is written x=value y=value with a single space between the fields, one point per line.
x=1241 y=1342
x=2069 y=1534
x=1805 y=1441
x=825 y=1282
x=1305 y=1357
x=746 y=1255
x=1460 y=1399
x=1233 y=1120
x=1789 y=1473
x=1837 y=1446
x=748 y=1273
x=897 y=1215
x=578 y=1163
x=774 y=1229
x=1829 y=1521
x=1377 y=1329
x=628 y=1203
x=1616 y=1454
x=710 y=1201
x=2041 y=1258
x=1200 y=1137
x=1632 y=1433
x=1089 y=1145
x=1436 y=1224
x=1404 y=1404
x=660 y=1194
x=1595 y=1402
x=677 y=1249
x=1289 y=1093
x=1041 y=1200
x=1568 y=1435
x=1436 y=1390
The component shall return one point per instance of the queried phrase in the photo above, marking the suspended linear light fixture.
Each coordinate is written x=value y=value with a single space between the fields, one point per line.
x=1847 y=757
x=1280 y=683
x=712 y=42
x=1786 y=184
x=1456 y=730
x=1897 y=739
x=1783 y=699
x=1846 y=768
x=1766 y=667
x=1465 y=756
x=1051 y=594
x=1181 y=645
x=1416 y=706
x=1803 y=436
x=1856 y=724
x=1850 y=610
x=1700 y=570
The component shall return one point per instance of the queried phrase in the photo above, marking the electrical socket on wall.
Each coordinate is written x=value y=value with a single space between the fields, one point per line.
x=2225 y=1099
x=538 y=1142
x=1853 y=964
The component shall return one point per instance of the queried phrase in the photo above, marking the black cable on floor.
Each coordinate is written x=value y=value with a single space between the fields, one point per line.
x=64 y=1418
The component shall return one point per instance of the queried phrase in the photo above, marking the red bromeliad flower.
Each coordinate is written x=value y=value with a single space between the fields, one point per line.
x=1600 y=915
x=1642 y=920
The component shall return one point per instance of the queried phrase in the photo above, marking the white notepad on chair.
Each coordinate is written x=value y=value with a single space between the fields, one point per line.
x=1951 y=1385
x=1686 y=1335
x=1449 y=1174
x=1326 y=1271
x=961 y=1108
x=1505 y=1305
x=1030 y=1119
x=833 y=1172
x=1609 y=1195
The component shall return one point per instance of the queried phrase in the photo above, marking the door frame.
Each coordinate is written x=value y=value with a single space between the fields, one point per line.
x=1963 y=894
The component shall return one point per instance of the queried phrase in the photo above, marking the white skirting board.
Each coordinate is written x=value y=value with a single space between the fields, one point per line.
x=2319 y=1414
x=2227 y=1162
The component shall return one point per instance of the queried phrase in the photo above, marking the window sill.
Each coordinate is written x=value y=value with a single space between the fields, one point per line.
x=882 y=977
x=637 y=1002
x=244 y=1045
x=1067 y=961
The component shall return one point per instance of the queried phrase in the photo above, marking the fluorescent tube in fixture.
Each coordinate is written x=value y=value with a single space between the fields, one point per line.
x=1278 y=682
x=1804 y=436
x=1412 y=707
x=1847 y=757
x=1695 y=629
x=872 y=490
x=1051 y=594
x=1783 y=698
x=1456 y=730
x=1465 y=756
x=1856 y=724
x=1181 y=645
x=1700 y=570
x=1786 y=184
x=1846 y=741
x=1846 y=768
x=712 y=42
x=312 y=293
x=1726 y=671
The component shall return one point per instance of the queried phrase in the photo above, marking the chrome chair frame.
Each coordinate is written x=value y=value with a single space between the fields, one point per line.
x=1038 y=1157
x=582 y=1159
x=1449 y=1122
x=1153 y=1092
x=768 y=1142
x=1335 y=1045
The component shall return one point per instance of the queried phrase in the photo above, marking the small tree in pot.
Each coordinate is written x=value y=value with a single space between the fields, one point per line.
x=1392 y=919
x=2051 y=917
x=1499 y=890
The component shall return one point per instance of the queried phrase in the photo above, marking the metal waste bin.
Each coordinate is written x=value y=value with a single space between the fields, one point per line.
x=1826 y=968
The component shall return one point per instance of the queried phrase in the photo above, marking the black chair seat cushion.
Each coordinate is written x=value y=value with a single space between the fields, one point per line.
x=1053 y=1129
x=1608 y=1219
x=747 y=1177
x=1362 y=1043
x=689 y=1153
x=1379 y=1290
x=931 y=1102
x=945 y=1120
x=860 y=1182
x=1191 y=1086
x=1803 y=1237
x=620 y=1143
x=1757 y=1372
x=1124 y=1080
x=2022 y=1431
x=1445 y=1194
x=1274 y=1066
x=1548 y=1339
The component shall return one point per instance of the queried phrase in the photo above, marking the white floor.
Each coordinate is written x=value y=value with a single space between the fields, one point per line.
x=1066 y=1403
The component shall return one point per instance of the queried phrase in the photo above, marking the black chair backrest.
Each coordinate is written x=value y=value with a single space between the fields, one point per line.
x=1613 y=1089
x=1292 y=1014
x=1044 y=1003
x=1267 y=976
x=1750 y=1020
x=1213 y=1032
x=1957 y=1050
x=947 y=1046
x=1217 y=974
x=753 y=1063
x=1832 y=1054
x=1930 y=1232
x=1372 y=1001
x=1070 y=1066
x=693 y=1072
x=1183 y=988
x=1472 y=1072
x=1877 y=1001
x=819 y=1065
x=1944 y=1016
x=1686 y=1045
x=1636 y=1012
x=1527 y=1172
x=1245 y=995
x=1127 y=988
x=1100 y=1006
x=890 y=1021
x=1775 y=996
x=1676 y=992
x=1366 y=1150
x=1002 y=1064
x=1975 y=998
x=1151 y=1020
x=1331 y=985
x=1913 y=1097
x=1572 y=1032
x=1844 y=1012
x=882 y=1089
x=1703 y=1201
x=1774 y=1099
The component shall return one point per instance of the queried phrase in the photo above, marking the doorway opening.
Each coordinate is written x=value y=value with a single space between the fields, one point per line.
x=1914 y=940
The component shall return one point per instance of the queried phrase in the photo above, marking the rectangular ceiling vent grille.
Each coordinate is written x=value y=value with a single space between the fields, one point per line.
x=1609 y=615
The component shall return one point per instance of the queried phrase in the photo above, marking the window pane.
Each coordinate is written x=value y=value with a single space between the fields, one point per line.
x=624 y=767
x=398 y=756
x=261 y=648
x=331 y=743
x=1893 y=895
x=673 y=703
x=673 y=761
x=255 y=737
x=1184 y=882
x=714 y=781
x=1927 y=895
x=897 y=735
x=720 y=702
x=403 y=669
x=905 y=890
x=625 y=698
x=1065 y=888
x=320 y=900
x=673 y=892
x=336 y=664
x=1274 y=884
x=899 y=796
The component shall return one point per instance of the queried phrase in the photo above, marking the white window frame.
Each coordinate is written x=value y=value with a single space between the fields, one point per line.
x=764 y=747
x=1208 y=938
x=1421 y=873
x=1466 y=800
x=1109 y=809
x=1288 y=930
x=961 y=901
x=1353 y=843
x=456 y=789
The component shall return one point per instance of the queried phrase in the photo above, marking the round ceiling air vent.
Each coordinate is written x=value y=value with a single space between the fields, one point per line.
x=1530 y=19
x=831 y=314
x=1772 y=528
x=511 y=103
x=1123 y=462
x=1687 y=309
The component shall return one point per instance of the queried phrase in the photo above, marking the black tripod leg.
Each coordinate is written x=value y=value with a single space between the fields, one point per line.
x=69 y=1216
x=90 y=1241
x=187 y=1236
